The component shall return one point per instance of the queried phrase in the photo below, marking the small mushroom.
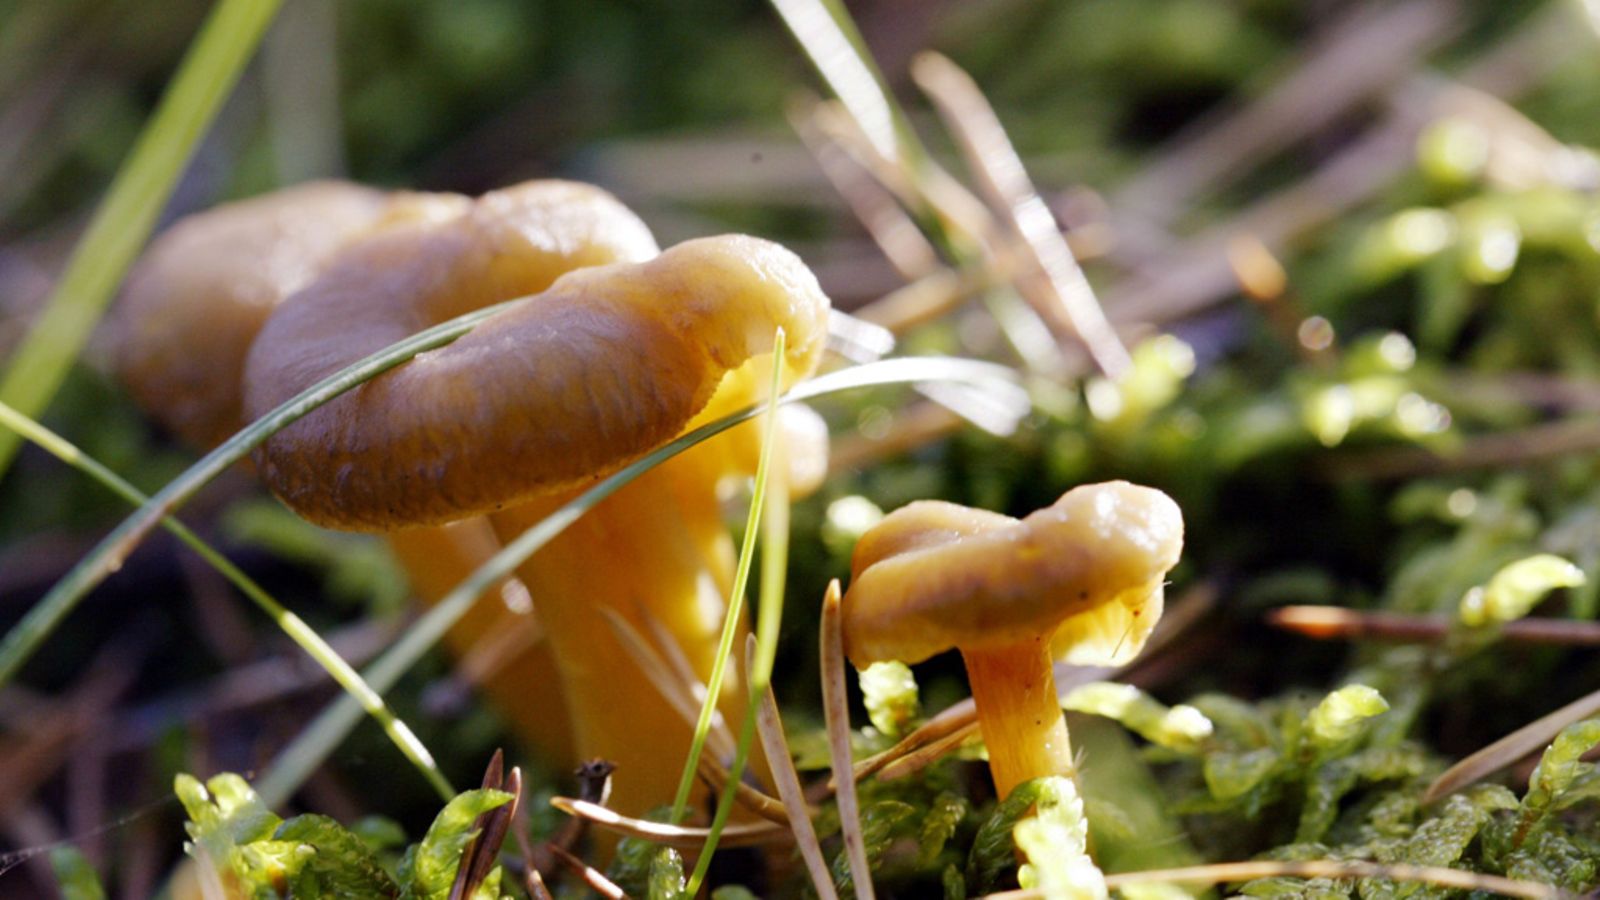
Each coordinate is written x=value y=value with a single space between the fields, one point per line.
x=1080 y=580
x=537 y=403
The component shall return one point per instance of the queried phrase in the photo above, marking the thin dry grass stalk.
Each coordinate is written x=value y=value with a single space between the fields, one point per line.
x=677 y=836
x=768 y=807
x=1503 y=450
x=1524 y=741
x=924 y=756
x=901 y=241
x=680 y=695
x=836 y=712
x=594 y=878
x=770 y=726
x=1222 y=873
x=1063 y=296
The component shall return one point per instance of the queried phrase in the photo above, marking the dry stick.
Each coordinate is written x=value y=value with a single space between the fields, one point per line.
x=928 y=754
x=909 y=428
x=45 y=743
x=1067 y=302
x=715 y=775
x=968 y=224
x=1533 y=444
x=594 y=786
x=269 y=680
x=1526 y=740
x=1338 y=623
x=901 y=241
x=681 y=837
x=836 y=712
x=1196 y=275
x=678 y=696
x=672 y=654
x=596 y=881
x=950 y=720
x=532 y=878
x=923 y=300
x=776 y=746
x=492 y=652
x=1524 y=389
x=1359 y=56
x=1262 y=278
x=1220 y=873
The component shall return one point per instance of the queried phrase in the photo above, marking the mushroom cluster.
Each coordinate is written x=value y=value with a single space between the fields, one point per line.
x=621 y=350
x=1081 y=580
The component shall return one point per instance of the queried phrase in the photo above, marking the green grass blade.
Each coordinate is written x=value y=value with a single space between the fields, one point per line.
x=741 y=577
x=124 y=219
x=107 y=556
x=292 y=625
x=314 y=744
x=774 y=567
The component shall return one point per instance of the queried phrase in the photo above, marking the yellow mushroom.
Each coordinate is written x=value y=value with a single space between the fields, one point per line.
x=1081 y=580
x=197 y=298
x=200 y=295
x=537 y=403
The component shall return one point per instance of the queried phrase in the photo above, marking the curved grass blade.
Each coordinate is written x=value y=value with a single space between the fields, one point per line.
x=774 y=527
x=107 y=556
x=292 y=625
x=322 y=735
x=730 y=619
x=124 y=219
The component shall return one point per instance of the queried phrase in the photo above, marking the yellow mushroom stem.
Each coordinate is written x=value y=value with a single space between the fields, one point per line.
x=523 y=685
x=1014 y=689
x=642 y=549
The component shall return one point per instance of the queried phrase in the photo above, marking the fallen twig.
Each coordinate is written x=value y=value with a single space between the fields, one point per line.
x=1337 y=623
x=1246 y=871
x=770 y=725
x=1525 y=740
x=680 y=837
x=836 y=713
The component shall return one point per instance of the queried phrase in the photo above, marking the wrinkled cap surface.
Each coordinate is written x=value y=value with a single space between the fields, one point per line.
x=552 y=394
x=1087 y=570
x=199 y=295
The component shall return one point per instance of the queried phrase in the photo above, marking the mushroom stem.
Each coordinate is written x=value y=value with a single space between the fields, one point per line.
x=525 y=688
x=654 y=544
x=1014 y=688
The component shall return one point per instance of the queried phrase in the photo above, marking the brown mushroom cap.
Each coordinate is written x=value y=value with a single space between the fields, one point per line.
x=197 y=298
x=559 y=391
x=1087 y=570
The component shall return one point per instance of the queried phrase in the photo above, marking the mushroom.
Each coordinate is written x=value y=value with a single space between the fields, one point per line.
x=197 y=298
x=1080 y=580
x=537 y=403
x=200 y=295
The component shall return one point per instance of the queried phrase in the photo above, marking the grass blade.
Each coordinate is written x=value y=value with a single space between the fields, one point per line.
x=292 y=625
x=124 y=219
x=107 y=556
x=774 y=527
x=741 y=578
